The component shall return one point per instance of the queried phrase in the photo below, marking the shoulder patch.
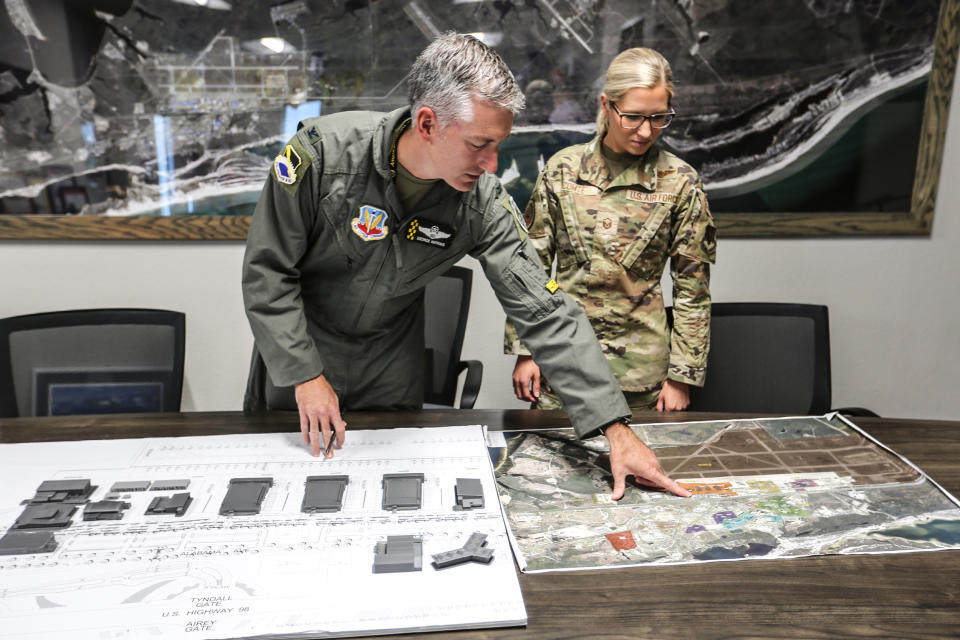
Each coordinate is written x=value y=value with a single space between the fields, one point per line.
x=292 y=164
x=285 y=165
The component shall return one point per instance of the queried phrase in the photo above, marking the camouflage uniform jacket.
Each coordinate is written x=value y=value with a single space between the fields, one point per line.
x=334 y=272
x=611 y=238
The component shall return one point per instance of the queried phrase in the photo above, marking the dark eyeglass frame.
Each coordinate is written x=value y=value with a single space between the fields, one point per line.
x=668 y=118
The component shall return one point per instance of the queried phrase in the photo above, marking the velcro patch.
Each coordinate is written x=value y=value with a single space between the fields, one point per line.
x=640 y=196
x=607 y=223
x=371 y=224
x=286 y=164
x=430 y=233
x=582 y=189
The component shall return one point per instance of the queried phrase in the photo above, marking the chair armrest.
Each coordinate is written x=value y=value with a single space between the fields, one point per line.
x=471 y=386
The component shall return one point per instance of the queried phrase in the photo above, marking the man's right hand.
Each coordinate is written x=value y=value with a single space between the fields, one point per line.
x=319 y=413
x=629 y=456
x=526 y=379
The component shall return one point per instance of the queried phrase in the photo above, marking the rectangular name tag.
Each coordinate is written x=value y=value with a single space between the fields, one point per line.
x=430 y=233
x=640 y=196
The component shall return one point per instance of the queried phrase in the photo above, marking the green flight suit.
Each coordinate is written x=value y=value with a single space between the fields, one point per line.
x=334 y=271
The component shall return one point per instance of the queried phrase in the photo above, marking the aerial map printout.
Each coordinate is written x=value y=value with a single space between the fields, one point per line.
x=762 y=488
x=241 y=558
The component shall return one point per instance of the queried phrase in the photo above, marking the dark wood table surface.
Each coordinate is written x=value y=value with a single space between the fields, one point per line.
x=908 y=595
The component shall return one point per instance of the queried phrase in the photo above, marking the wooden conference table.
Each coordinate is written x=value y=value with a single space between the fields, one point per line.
x=912 y=595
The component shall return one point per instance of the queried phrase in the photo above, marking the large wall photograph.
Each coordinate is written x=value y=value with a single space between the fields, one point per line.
x=161 y=118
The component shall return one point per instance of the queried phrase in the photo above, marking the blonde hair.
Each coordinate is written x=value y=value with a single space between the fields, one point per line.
x=633 y=68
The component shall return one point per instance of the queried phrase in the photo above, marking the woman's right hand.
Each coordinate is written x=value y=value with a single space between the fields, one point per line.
x=526 y=379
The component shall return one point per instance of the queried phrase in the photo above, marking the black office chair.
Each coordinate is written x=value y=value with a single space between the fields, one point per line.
x=91 y=361
x=446 y=305
x=766 y=358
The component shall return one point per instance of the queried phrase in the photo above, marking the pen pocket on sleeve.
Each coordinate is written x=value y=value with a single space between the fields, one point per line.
x=527 y=280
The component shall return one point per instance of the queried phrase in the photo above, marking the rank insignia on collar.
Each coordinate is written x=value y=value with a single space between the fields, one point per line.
x=371 y=223
x=286 y=164
x=312 y=133
x=430 y=233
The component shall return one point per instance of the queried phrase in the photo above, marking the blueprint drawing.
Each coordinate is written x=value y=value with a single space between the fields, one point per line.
x=762 y=488
x=277 y=573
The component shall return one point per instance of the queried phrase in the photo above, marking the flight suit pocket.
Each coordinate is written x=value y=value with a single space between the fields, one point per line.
x=647 y=254
x=525 y=278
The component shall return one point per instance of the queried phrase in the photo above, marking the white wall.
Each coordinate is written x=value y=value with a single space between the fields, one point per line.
x=200 y=279
x=894 y=303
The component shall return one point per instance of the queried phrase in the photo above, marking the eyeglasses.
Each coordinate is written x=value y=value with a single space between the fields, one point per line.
x=633 y=121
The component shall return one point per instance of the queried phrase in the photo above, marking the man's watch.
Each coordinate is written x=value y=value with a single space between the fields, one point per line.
x=602 y=429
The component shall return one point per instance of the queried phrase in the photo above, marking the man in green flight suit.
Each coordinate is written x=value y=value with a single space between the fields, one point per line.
x=361 y=210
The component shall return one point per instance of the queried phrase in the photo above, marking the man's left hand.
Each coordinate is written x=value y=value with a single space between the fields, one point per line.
x=674 y=396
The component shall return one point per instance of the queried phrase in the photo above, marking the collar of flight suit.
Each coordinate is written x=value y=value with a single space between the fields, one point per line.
x=383 y=140
x=593 y=169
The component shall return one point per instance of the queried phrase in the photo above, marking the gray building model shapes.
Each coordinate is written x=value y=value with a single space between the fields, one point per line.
x=324 y=494
x=474 y=550
x=245 y=496
x=55 y=502
x=398 y=554
x=402 y=491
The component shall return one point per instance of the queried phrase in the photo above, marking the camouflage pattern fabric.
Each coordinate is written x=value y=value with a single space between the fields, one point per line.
x=636 y=400
x=611 y=237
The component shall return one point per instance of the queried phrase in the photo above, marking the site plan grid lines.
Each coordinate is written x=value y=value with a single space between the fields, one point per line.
x=762 y=489
x=277 y=572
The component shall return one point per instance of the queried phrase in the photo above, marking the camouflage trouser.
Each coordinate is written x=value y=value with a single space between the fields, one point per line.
x=636 y=399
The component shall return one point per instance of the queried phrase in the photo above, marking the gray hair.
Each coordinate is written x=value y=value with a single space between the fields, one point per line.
x=633 y=68
x=455 y=68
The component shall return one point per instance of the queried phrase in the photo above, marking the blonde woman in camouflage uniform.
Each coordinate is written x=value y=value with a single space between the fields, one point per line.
x=612 y=211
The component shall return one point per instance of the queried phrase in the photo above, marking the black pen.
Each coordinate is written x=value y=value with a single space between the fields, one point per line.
x=326 y=452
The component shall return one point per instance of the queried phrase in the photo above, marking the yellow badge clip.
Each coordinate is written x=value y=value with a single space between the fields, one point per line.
x=552 y=286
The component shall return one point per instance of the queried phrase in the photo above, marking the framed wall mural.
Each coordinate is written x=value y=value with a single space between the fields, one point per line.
x=159 y=119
